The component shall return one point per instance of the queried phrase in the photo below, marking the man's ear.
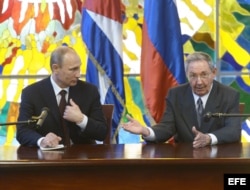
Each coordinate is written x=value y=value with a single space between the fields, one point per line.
x=55 y=67
x=215 y=71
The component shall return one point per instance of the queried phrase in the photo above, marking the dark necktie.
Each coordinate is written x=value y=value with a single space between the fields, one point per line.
x=199 y=111
x=62 y=106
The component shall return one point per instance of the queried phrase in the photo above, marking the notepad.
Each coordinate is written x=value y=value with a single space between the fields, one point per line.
x=60 y=146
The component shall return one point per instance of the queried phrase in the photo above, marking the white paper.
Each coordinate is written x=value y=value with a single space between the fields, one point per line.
x=60 y=146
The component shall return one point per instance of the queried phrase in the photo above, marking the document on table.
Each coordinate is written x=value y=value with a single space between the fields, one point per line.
x=60 y=146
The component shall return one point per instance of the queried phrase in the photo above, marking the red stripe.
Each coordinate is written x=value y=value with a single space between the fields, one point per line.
x=107 y=8
x=161 y=79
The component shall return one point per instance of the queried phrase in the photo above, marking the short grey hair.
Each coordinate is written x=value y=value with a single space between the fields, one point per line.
x=199 y=56
x=58 y=54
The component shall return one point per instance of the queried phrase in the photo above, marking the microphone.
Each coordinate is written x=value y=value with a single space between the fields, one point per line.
x=208 y=115
x=34 y=119
x=42 y=117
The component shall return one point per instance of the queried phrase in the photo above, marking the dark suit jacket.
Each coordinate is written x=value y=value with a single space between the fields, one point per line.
x=41 y=94
x=180 y=115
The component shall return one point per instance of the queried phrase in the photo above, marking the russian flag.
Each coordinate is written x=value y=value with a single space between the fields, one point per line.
x=101 y=29
x=162 y=64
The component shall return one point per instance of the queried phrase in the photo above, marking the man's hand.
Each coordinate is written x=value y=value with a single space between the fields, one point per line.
x=50 y=140
x=200 y=139
x=133 y=126
x=73 y=113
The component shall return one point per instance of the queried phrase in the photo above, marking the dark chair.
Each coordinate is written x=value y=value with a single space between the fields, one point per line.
x=241 y=107
x=108 y=110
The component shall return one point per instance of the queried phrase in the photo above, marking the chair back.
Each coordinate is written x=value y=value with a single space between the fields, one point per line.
x=108 y=110
x=241 y=107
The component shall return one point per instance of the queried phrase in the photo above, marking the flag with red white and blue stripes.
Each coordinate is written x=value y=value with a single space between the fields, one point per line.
x=101 y=29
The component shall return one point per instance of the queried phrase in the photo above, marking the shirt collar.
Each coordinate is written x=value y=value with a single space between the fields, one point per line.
x=203 y=98
x=56 y=88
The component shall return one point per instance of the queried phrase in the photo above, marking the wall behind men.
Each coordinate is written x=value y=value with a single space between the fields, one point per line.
x=30 y=31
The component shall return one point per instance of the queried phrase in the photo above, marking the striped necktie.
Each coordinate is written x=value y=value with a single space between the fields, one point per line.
x=199 y=111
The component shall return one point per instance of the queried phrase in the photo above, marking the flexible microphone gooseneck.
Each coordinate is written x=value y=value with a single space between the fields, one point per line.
x=34 y=119
x=208 y=115
x=42 y=117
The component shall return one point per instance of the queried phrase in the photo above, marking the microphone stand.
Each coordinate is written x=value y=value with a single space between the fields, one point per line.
x=20 y=122
x=29 y=121
x=220 y=115
x=232 y=115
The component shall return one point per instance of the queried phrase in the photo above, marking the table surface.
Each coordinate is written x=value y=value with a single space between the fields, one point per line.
x=122 y=166
x=126 y=154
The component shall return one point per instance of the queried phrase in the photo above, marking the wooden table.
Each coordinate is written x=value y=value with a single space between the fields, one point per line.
x=128 y=167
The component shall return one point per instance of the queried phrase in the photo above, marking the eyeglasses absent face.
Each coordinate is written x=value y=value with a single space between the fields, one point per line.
x=68 y=73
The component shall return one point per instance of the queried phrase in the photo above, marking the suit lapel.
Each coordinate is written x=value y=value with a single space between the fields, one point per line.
x=75 y=93
x=51 y=99
x=189 y=111
x=213 y=100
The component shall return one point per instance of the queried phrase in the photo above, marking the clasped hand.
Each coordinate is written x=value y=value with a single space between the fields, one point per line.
x=50 y=140
x=200 y=139
x=73 y=113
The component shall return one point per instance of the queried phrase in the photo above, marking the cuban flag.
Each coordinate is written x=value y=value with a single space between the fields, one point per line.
x=101 y=29
x=162 y=64
x=245 y=132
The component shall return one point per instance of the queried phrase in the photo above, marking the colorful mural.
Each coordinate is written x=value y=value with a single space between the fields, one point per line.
x=30 y=30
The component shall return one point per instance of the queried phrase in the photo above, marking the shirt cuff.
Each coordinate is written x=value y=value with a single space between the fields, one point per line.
x=83 y=123
x=39 y=141
x=151 y=136
x=214 y=139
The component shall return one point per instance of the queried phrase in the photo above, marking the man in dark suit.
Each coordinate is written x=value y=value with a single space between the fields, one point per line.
x=83 y=116
x=181 y=117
